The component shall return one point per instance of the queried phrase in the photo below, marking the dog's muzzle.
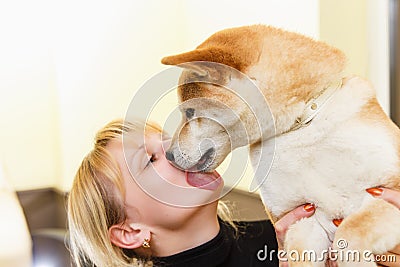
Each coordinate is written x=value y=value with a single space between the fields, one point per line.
x=201 y=165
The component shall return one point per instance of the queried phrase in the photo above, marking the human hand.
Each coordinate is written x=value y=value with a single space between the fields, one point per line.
x=389 y=259
x=290 y=218
x=286 y=221
x=389 y=195
x=392 y=257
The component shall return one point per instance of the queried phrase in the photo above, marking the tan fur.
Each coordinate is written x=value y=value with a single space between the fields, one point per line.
x=374 y=114
x=245 y=41
x=361 y=232
x=351 y=135
x=241 y=48
x=297 y=66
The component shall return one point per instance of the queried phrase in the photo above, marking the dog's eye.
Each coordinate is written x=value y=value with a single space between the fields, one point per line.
x=189 y=113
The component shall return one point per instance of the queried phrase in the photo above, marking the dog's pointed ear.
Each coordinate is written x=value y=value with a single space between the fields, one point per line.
x=184 y=60
x=205 y=62
x=194 y=55
x=199 y=54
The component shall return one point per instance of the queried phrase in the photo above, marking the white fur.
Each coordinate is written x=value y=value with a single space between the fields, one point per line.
x=330 y=163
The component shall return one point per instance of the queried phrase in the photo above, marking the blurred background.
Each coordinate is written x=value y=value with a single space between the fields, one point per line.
x=69 y=67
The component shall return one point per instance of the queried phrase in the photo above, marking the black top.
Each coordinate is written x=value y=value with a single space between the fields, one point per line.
x=250 y=246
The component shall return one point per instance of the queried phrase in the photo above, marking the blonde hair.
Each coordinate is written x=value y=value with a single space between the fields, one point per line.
x=96 y=202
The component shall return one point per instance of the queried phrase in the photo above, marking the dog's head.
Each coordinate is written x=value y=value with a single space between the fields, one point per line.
x=215 y=117
x=288 y=69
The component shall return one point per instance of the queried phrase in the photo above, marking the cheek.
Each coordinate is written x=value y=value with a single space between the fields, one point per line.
x=147 y=209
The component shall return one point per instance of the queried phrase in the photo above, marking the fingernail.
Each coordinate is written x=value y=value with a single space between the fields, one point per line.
x=376 y=192
x=309 y=207
x=337 y=222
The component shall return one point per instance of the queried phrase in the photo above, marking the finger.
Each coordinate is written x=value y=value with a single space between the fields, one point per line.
x=390 y=195
x=388 y=259
x=290 y=218
x=331 y=263
x=395 y=250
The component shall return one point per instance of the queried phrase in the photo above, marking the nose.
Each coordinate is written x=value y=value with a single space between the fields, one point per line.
x=170 y=156
x=209 y=153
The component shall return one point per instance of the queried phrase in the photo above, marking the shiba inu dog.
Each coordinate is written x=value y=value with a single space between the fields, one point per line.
x=332 y=139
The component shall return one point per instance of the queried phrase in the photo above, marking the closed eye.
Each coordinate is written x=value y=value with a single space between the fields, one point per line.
x=151 y=160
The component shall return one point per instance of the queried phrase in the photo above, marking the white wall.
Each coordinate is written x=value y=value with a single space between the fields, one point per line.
x=102 y=56
x=360 y=29
x=203 y=18
x=378 y=49
x=29 y=136
x=68 y=67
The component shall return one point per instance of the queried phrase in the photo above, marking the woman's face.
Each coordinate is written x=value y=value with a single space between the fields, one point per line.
x=156 y=192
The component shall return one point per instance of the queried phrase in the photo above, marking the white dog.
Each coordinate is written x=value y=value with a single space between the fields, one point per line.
x=332 y=138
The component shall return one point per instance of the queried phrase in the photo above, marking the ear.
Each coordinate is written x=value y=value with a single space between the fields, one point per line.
x=128 y=236
x=204 y=54
x=207 y=63
x=212 y=54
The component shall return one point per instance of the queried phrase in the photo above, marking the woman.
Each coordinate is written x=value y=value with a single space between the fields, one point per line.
x=129 y=207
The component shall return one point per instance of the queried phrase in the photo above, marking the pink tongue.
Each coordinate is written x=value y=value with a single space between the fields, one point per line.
x=209 y=181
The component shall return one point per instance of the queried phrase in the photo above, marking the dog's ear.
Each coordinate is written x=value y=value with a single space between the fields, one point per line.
x=238 y=48
x=209 y=54
x=194 y=55
x=212 y=54
x=207 y=63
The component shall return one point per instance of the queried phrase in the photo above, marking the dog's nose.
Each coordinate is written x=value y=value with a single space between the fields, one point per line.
x=209 y=152
x=170 y=156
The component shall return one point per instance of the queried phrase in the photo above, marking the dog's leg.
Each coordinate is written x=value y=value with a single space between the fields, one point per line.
x=375 y=228
x=305 y=244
